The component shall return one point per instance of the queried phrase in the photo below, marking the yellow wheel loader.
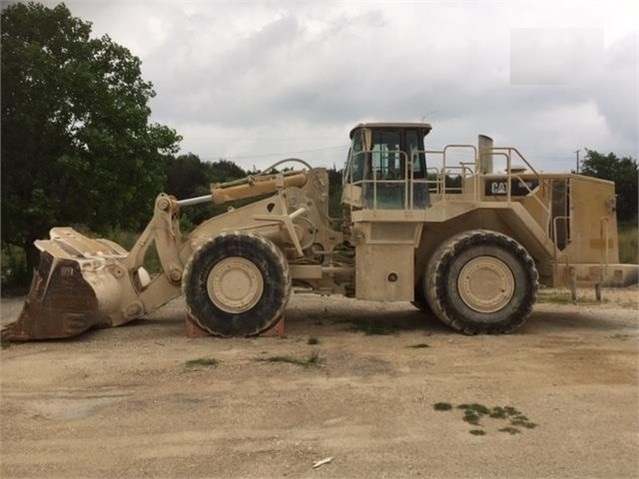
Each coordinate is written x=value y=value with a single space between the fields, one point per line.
x=444 y=229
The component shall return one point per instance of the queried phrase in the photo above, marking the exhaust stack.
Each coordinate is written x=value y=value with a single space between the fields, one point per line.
x=485 y=147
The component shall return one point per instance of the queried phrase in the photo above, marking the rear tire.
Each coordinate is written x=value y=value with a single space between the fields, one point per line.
x=236 y=284
x=482 y=282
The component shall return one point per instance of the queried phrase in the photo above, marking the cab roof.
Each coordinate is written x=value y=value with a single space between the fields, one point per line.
x=423 y=127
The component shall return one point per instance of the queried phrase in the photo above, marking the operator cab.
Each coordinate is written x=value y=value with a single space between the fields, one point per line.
x=386 y=167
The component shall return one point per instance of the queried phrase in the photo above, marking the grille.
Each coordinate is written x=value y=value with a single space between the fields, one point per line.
x=560 y=209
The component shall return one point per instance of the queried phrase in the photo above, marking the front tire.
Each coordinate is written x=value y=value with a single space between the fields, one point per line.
x=482 y=281
x=236 y=284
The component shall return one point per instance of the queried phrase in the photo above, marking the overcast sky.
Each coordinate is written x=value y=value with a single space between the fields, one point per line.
x=256 y=82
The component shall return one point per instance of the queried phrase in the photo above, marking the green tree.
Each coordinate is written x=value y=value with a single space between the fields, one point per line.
x=188 y=176
x=77 y=143
x=223 y=170
x=624 y=172
x=184 y=174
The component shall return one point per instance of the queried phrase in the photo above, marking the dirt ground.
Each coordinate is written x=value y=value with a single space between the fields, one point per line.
x=124 y=403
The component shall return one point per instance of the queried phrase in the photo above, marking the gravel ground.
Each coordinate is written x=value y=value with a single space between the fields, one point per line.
x=124 y=402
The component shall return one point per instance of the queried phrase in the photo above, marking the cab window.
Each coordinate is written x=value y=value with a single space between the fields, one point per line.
x=387 y=162
x=357 y=157
x=412 y=149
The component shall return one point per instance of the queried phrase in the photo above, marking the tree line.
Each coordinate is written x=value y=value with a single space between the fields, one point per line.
x=79 y=147
x=623 y=171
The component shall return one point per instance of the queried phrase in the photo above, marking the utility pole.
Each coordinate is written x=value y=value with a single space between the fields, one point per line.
x=577 y=152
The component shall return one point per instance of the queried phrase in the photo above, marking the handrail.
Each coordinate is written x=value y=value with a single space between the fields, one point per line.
x=445 y=174
x=546 y=209
x=466 y=165
x=405 y=180
x=472 y=147
x=375 y=181
x=466 y=170
x=445 y=167
x=438 y=173
x=431 y=182
x=508 y=173
x=532 y=168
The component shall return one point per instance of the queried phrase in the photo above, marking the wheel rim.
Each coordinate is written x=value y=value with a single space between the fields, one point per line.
x=486 y=284
x=235 y=285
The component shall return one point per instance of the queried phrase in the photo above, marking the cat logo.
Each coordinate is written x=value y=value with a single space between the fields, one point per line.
x=498 y=187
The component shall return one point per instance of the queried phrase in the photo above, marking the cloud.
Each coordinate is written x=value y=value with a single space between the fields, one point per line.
x=617 y=98
x=556 y=56
x=241 y=80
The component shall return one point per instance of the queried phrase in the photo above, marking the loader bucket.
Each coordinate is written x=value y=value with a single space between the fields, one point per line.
x=73 y=290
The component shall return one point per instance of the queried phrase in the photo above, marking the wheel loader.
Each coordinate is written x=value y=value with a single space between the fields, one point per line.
x=445 y=229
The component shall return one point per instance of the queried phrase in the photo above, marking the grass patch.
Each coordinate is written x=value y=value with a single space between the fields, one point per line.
x=510 y=430
x=127 y=240
x=313 y=360
x=512 y=411
x=284 y=359
x=381 y=327
x=419 y=346
x=523 y=423
x=475 y=408
x=474 y=412
x=620 y=336
x=563 y=297
x=5 y=345
x=498 y=412
x=373 y=328
x=442 y=406
x=628 y=243
x=312 y=340
x=471 y=417
x=554 y=297
x=124 y=238
x=205 y=362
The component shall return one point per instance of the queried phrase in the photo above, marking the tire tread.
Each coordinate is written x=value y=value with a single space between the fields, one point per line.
x=439 y=263
x=262 y=244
